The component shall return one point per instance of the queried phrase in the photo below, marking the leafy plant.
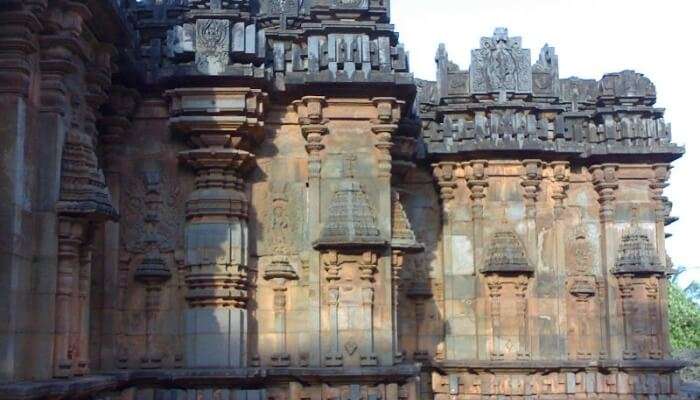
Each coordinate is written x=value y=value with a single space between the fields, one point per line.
x=684 y=319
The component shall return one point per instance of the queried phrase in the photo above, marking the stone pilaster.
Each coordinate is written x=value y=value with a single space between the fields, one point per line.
x=280 y=272
x=152 y=272
x=114 y=126
x=662 y=213
x=19 y=26
x=478 y=183
x=216 y=234
x=605 y=181
x=71 y=237
x=314 y=127
x=446 y=175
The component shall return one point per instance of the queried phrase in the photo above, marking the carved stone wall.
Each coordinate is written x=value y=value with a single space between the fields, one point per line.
x=229 y=199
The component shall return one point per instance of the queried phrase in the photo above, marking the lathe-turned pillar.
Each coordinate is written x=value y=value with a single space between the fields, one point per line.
x=222 y=125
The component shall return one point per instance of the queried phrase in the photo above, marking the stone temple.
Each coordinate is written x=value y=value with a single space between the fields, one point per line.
x=256 y=200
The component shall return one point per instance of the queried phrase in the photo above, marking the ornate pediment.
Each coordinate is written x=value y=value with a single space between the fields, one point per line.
x=83 y=190
x=637 y=254
x=402 y=235
x=350 y=220
x=506 y=254
x=500 y=65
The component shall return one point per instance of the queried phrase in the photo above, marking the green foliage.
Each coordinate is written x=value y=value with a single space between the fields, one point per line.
x=684 y=319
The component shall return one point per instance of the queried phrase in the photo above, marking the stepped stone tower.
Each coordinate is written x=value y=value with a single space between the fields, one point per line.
x=255 y=199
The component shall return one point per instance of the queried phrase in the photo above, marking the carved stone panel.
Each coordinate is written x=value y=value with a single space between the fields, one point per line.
x=212 y=45
x=500 y=65
x=350 y=4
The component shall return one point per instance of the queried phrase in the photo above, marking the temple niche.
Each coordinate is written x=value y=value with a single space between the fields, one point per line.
x=237 y=199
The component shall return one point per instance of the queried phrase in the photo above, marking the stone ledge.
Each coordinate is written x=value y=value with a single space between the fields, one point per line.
x=531 y=366
x=248 y=377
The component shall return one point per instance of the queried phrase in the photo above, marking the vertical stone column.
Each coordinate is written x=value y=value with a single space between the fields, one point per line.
x=219 y=123
x=604 y=178
x=114 y=126
x=280 y=272
x=531 y=181
x=121 y=317
x=83 y=307
x=446 y=178
x=559 y=180
x=216 y=239
x=19 y=25
x=153 y=273
x=368 y=269
x=314 y=128
x=477 y=182
x=71 y=235
x=662 y=211
x=334 y=355
x=403 y=241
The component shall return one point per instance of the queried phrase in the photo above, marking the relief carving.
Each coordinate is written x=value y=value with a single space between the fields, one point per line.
x=508 y=272
x=639 y=274
x=152 y=213
x=212 y=45
x=350 y=4
x=500 y=65
x=584 y=324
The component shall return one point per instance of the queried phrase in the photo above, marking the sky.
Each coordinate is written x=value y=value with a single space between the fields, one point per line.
x=591 y=37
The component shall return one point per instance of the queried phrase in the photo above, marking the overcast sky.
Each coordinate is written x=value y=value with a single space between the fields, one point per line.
x=657 y=38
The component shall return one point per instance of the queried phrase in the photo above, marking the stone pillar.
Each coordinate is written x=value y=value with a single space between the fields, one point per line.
x=605 y=182
x=153 y=273
x=445 y=175
x=314 y=128
x=219 y=123
x=280 y=272
x=121 y=317
x=71 y=236
x=18 y=48
x=114 y=127
x=477 y=182
x=558 y=174
x=659 y=181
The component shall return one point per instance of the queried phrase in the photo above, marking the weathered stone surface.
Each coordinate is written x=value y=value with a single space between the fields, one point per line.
x=291 y=226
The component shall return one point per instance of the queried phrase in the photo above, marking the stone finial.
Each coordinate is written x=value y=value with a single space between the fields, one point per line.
x=83 y=188
x=506 y=254
x=402 y=236
x=545 y=73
